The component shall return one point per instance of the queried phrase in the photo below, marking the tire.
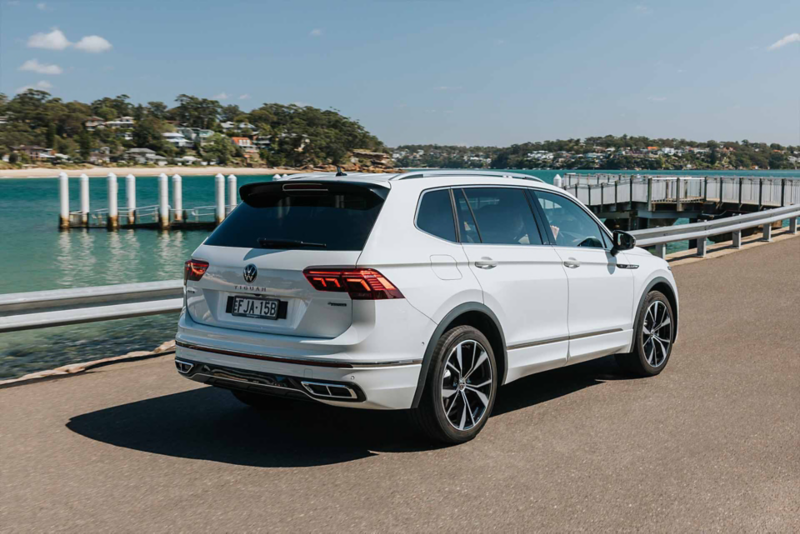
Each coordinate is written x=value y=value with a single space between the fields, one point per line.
x=453 y=410
x=651 y=349
x=261 y=402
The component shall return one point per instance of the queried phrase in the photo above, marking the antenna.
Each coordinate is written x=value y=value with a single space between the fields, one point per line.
x=340 y=172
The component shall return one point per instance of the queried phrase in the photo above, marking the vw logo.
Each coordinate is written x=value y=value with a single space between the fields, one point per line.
x=250 y=273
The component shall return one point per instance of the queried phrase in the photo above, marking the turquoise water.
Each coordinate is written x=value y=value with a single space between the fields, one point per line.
x=35 y=255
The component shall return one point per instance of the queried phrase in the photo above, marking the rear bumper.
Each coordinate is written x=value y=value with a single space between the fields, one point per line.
x=381 y=367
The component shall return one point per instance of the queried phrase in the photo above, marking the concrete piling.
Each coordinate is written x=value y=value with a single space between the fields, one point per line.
x=113 y=214
x=130 y=195
x=177 y=196
x=163 y=201
x=793 y=226
x=232 y=192
x=63 y=197
x=767 y=235
x=84 y=181
x=219 y=190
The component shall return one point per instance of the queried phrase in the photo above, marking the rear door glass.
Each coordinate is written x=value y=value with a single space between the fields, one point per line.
x=503 y=216
x=466 y=223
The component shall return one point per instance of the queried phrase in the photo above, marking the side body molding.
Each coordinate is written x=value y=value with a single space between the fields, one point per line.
x=437 y=334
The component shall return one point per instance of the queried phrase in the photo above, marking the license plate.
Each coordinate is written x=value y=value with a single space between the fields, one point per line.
x=256 y=308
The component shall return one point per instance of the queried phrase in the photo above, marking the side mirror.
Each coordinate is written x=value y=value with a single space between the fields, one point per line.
x=622 y=241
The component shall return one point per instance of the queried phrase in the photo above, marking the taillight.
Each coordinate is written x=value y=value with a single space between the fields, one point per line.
x=194 y=270
x=361 y=284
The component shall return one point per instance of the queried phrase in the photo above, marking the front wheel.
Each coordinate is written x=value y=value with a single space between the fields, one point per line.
x=460 y=388
x=653 y=337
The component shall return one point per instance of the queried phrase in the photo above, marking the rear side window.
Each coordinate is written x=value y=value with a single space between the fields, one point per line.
x=301 y=216
x=504 y=216
x=435 y=215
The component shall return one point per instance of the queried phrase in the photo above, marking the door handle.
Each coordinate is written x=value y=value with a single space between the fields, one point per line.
x=572 y=263
x=486 y=263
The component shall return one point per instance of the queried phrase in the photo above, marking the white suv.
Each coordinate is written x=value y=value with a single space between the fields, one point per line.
x=423 y=291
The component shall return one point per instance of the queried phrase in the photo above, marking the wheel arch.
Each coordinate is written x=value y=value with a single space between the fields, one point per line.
x=663 y=285
x=473 y=314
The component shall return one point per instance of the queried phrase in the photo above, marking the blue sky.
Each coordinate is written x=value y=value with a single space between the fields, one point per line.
x=446 y=71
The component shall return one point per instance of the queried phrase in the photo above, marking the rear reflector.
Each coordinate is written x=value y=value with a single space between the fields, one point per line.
x=194 y=270
x=361 y=284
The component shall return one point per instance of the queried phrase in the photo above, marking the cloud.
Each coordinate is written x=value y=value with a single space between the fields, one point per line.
x=244 y=97
x=41 y=6
x=222 y=96
x=12 y=3
x=41 y=68
x=448 y=88
x=791 y=38
x=42 y=85
x=315 y=32
x=55 y=40
x=642 y=9
x=93 y=44
x=656 y=98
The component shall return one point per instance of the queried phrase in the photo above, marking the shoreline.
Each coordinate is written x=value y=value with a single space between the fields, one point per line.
x=97 y=172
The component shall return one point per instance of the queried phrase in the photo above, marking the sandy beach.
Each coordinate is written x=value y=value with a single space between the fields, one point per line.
x=141 y=171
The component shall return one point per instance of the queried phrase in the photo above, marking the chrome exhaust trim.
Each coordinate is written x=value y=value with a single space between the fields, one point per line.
x=329 y=391
x=183 y=367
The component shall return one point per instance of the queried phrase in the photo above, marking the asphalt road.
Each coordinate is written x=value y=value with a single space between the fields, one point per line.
x=711 y=444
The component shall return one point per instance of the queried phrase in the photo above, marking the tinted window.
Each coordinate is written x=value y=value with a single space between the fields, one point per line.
x=466 y=223
x=338 y=217
x=504 y=216
x=570 y=224
x=435 y=215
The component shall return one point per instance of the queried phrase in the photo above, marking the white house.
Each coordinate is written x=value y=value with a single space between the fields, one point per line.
x=177 y=139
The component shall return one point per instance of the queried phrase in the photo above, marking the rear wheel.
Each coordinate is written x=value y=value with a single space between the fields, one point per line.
x=261 y=402
x=460 y=388
x=653 y=337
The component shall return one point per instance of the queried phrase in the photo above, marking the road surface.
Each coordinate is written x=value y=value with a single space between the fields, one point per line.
x=711 y=444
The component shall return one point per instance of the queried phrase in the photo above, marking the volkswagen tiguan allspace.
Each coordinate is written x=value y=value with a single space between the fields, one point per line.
x=423 y=291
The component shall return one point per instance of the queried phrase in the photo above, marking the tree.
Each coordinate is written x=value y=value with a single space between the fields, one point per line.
x=196 y=112
x=220 y=148
x=147 y=134
x=230 y=113
x=85 y=145
x=156 y=110
x=50 y=138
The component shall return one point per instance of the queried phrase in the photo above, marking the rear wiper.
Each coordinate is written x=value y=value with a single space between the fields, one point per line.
x=265 y=242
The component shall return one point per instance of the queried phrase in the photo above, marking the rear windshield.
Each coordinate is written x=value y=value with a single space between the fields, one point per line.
x=330 y=217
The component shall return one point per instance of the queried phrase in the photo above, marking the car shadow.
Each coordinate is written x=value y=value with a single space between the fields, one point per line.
x=210 y=424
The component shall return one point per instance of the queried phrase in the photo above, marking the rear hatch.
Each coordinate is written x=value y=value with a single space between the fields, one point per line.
x=256 y=258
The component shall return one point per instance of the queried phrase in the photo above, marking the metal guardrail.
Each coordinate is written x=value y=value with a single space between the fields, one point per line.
x=660 y=237
x=40 y=309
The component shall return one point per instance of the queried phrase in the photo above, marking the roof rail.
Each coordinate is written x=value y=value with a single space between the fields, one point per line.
x=437 y=173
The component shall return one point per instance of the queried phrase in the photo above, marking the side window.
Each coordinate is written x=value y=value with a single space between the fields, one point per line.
x=466 y=224
x=435 y=215
x=503 y=215
x=570 y=224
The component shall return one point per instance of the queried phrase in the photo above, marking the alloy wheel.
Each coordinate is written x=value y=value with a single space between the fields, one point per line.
x=657 y=334
x=466 y=385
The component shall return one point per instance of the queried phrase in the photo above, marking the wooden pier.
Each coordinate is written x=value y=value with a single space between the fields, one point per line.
x=163 y=216
x=641 y=201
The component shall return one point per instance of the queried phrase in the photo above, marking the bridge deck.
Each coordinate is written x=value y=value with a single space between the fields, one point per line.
x=713 y=443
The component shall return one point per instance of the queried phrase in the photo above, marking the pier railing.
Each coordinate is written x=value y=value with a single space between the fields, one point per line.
x=606 y=190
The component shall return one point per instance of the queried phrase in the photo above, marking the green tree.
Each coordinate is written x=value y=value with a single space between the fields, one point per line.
x=147 y=134
x=85 y=145
x=50 y=138
x=220 y=148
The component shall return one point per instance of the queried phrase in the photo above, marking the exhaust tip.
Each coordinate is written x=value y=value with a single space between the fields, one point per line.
x=329 y=391
x=183 y=367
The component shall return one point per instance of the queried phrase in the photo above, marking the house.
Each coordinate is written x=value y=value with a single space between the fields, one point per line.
x=100 y=155
x=177 y=139
x=140 y=155
x=3 y=119
x=230 y=125
x=125 y=123
x=246 y=145
x=35 y=152
x=92 y=123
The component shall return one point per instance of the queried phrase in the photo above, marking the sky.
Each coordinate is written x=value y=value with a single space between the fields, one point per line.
x=443 y=71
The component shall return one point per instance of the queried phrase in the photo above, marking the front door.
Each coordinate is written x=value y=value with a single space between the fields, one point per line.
x=522 y=278
x=600 y=291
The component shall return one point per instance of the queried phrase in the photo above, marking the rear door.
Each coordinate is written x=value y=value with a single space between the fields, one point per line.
x=258 y=254
x=522 y=279
x=600 y=291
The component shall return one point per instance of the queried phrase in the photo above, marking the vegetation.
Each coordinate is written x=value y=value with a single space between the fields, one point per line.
x=291 y=135
x=609 y=152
